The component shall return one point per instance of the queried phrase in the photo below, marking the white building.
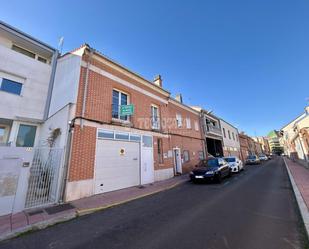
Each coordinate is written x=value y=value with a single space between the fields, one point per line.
x=26 y=76
x=27 y=69
x=231 y=145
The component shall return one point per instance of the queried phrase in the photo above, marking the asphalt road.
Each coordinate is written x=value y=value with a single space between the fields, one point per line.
x=255 y=209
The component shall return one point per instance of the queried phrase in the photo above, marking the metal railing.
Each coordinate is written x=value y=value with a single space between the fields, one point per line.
x=213 y=129
x=155 y=123
x=44 y=177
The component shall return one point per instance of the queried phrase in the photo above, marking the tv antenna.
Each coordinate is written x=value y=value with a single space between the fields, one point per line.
x=60 y=44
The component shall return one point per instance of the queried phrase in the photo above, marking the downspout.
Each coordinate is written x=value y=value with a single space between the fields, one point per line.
x=202 y=127
x=86 y=87
x=51 y=84
x=67 y=158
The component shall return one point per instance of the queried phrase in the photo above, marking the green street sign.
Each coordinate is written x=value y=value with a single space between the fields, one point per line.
x=126 y=110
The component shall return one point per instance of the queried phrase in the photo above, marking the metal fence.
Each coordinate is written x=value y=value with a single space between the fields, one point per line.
x=44 y=179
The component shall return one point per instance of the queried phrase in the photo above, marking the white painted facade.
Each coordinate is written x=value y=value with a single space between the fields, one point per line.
x=230 y=137
x=66 y=82
x=28 y=107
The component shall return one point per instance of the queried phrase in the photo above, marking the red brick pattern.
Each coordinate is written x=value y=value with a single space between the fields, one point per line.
x=99 y=107
x=83 y=153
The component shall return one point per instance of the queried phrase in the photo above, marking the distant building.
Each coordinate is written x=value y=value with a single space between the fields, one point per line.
x=231 y=145
x=274 y=142
x=295 y=137
x=263 y=141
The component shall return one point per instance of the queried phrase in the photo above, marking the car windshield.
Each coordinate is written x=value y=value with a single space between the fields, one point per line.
x=251 y=157
x=212 y=162
x=230 y=159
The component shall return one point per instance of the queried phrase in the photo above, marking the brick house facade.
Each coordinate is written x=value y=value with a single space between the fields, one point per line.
x=172 y=127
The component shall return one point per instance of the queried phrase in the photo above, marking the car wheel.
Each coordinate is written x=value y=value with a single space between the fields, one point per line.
x=238 y=169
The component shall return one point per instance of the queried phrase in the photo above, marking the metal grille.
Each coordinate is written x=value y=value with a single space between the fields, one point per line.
x=44 y=177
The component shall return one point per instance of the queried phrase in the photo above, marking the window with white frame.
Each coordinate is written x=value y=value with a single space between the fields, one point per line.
x=119 y=98
x=186 y=156
x=188 y=123
x=224 y=132
x=10 y=86
x=155 y=124
x=196 y=126
x=229 y=134
x=178 y=120
x=26 y=136
x=233 y=136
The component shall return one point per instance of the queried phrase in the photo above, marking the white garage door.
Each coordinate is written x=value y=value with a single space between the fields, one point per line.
x=117 y=165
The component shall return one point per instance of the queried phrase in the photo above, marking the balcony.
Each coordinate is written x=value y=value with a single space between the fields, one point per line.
x=213 y=130
x=155 y=123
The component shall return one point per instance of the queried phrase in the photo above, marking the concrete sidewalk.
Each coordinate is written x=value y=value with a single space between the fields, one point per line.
x=13 y=225
x=299 y=176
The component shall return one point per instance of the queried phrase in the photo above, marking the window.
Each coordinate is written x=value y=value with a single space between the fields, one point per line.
x=201 y=155
x=2 y=133
x=160 y=150
x=10 y=86
x=41 y=59
x=147 y=141
x=237 y=138
x=224 y=132
x=229 y=134
x=122 y=136
x=178 y=120
x=196 y=126
x=186 y=156
x=23 y=51
x=135 y=138
x=119 y=98
x=106 y=134
x=26 y=136
x=233 y=136
x=188 y=123
x=155 y=117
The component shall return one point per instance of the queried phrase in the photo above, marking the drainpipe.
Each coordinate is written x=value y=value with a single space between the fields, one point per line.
x=67 y=158
x=51 y=84
x=86 y=87
x=203 y=132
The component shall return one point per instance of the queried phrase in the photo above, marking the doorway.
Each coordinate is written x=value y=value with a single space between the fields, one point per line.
x=177 y=161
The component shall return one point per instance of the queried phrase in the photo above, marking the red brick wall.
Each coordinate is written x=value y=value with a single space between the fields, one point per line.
x=99 y=107
x=82 y=153
x=99 y=101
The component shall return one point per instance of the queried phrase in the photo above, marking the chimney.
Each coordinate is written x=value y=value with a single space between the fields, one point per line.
x=179 y=97
x=158 y=80
x=307 y=110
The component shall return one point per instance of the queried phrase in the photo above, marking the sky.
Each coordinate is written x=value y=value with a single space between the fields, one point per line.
x=246 y=60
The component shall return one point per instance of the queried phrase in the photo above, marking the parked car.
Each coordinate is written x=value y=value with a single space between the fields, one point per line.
x=263 y=157
x=235 y=163
x=270 y=157
x=211 y=169
x=253 y=159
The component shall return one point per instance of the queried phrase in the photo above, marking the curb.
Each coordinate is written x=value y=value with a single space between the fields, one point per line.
x=37 y=226
x=92 y=210
x=300 y=201
x=44 y=224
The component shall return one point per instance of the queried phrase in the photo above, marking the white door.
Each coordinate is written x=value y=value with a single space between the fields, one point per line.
x=117 y=165
x=177 y=161
x=147 y=170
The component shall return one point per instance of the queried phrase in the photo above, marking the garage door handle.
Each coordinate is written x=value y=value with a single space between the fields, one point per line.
x=135 y=159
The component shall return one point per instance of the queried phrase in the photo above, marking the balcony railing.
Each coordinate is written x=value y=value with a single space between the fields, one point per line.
x=155 y=123
x=213 y=129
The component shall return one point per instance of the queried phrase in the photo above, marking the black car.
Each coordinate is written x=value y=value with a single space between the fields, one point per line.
x=211 y=169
